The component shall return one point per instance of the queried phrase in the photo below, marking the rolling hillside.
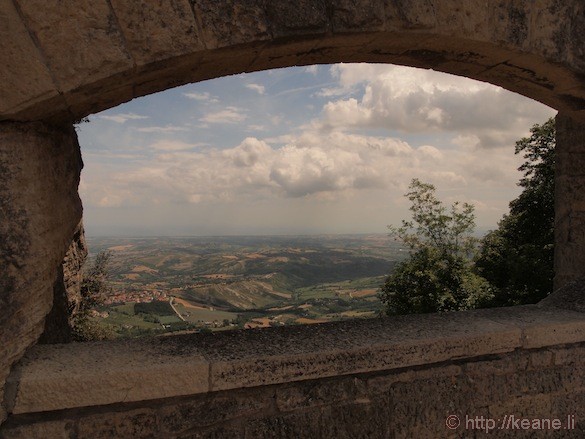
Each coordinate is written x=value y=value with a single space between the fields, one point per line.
x=224 y=282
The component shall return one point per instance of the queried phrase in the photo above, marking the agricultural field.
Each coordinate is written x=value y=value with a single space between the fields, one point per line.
x=222 y=283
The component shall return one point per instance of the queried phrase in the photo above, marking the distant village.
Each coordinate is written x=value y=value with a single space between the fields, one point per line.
x=142 y=296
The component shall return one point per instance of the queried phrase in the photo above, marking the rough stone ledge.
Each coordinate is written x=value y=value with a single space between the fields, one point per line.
x=56 y=377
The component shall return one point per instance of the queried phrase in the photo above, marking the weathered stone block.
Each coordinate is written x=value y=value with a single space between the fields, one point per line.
x=231 y=22
x=549 y=333
x=314 y=394
x=569 y=204
x=352 y=15
x=506 y=365
x=291 y=425
x=213 y=409
x=509 y=21
x=21 y=59
x=112 y=372
x=569 y=356
x=300 y=17
x=366 y=419
x=217 y=432
x=570 y=164
x=419 y=340
x=80 y=38
x=39 y=210
x=410 y=14
x=382 y=384
x=569 y=201
x=530 y=406
x=541 y=359
x=470 y=17
x=570 y=134
x=156 y=30
x=140 y=423
x=60 y=429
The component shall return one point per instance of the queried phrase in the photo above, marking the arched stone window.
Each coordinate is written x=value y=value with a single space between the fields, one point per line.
x=65 y=60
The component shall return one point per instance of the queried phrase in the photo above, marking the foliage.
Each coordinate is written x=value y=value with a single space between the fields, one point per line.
x=94 y=289
x=517 y=258
x=432 y=226
x=156 y=308
x=431 y=281
x=439 y=275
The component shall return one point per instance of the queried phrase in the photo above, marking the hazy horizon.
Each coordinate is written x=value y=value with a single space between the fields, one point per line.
x=477 y=233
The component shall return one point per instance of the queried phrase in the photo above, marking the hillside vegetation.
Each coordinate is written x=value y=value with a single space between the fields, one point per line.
x=167 y=284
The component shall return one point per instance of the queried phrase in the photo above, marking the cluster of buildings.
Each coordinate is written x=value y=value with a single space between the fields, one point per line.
x=136 y=296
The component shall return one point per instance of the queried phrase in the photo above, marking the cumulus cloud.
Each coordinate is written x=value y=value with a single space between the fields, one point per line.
x=228 y=115
x=204 y=97
x=453 y=132
x=256 y=127
x=418 y=101
x=313 y=164
x=163 y=129
x=313 y=70
x=174 y=145
x=328 y=92
x=256 y=87
x=248 y=153
x=122 y=117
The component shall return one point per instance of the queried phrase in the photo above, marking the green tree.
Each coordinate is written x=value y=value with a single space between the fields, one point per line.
x=439 y=274
x=94 y=289
x=517 y=257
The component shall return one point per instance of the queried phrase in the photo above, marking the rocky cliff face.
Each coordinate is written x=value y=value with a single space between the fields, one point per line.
x=66 y=292
x=40 y=210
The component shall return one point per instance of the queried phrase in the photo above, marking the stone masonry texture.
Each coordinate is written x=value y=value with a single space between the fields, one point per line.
x=65 y=59
x=530 y=384
x=39 y=211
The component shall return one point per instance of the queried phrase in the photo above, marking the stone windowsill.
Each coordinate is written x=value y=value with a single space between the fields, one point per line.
x=55 y=377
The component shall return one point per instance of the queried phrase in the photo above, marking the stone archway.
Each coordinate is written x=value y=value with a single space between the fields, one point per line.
x=65 y=59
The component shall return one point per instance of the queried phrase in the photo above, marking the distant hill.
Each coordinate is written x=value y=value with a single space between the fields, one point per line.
x=253 y=279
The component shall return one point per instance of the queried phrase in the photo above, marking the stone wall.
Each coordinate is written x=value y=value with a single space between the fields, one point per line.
x=542 y=383
x=545 y=383
x=569 y=200
x=397 y=377
x=65 y=59
x=39 y=211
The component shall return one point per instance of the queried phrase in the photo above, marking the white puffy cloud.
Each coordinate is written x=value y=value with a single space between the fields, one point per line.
x=256 y=87
x=313 y=164
x=122 y=117
x=163 y=129
x=204 y=97
x=453 y=131
x=228 y=115
x=174 y=145
x=417 y=101
x=256 y=127
x=248 y=153
x=313 y=70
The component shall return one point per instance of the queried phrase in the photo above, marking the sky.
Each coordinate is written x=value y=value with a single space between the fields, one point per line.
x=302 y=150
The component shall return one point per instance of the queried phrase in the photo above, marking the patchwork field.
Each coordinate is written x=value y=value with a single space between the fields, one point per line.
x=218 y=283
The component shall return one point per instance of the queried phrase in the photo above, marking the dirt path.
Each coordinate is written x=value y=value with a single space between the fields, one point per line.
x=175 y=309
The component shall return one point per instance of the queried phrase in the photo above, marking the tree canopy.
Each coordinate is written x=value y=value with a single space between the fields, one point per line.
x=514 y=263
x=94 y=289
x=439 y=274
x=517 y=257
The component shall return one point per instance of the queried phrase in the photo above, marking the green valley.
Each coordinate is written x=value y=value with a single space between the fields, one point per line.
x=218 y=283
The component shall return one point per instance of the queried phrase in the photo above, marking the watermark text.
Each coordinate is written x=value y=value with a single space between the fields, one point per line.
x=509 y=422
